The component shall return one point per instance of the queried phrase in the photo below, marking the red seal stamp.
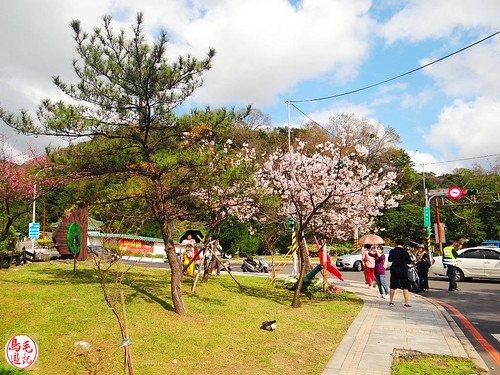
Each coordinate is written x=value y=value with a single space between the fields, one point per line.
x=21 y=351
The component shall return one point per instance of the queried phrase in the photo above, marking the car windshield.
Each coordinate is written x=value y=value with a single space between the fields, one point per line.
x=356 y=252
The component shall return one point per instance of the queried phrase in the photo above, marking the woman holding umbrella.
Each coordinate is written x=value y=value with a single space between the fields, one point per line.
x=369 y=262
x=189 y=247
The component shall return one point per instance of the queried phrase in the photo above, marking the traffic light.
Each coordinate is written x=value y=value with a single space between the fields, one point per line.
x=427 y=231
x=470 y=191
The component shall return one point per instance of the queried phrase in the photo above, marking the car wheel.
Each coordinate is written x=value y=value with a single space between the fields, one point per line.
x=243 y=268
x=358 y=266
x=264 y=270
x=459 y=275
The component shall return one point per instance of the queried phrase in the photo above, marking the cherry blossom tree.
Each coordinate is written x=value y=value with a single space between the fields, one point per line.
x=329 y=190
x=226 y=187
x=17 y=183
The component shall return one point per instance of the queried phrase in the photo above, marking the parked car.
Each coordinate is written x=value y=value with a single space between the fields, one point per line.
x=474 y=262
x=353 y=259
x=98 y=250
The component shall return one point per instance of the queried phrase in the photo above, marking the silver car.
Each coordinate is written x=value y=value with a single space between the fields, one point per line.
x=474 y=262
x=353 y=260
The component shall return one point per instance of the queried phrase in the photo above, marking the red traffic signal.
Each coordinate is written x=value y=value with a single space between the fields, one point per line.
x=470 y=191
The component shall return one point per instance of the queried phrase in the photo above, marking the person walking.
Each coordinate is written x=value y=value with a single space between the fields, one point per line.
x=399 y=272
x=379 y=271
x=423 y=263
x=449 y=260
x=369 y=265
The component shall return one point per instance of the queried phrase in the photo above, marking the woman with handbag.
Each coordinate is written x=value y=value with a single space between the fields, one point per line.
x=423 y=263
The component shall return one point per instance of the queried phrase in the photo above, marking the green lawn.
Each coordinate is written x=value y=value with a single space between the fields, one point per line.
x=221 y=334
x=433 y=364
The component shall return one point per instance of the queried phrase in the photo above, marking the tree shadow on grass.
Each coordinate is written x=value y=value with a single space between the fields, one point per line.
x=270 y=293
x=148 y=297
x=144 y=285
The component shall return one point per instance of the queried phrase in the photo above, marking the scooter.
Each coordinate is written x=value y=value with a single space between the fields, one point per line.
x=262 y=266
x=250 y=265
x=226 y=263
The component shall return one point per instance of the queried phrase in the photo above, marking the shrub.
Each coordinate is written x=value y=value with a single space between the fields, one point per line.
x=315 y=290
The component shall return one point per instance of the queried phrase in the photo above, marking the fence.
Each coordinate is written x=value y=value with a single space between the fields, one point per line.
x=17 y=259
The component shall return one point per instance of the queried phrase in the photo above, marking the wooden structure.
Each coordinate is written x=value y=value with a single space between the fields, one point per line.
x=60 y=235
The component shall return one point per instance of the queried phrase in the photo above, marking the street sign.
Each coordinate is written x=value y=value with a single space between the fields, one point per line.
x=455 y=192
x=427 y=217
x=443 y=233
x=34 y=230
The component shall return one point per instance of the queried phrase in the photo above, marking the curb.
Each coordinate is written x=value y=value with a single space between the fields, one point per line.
x=468 y=347
x=346 y=358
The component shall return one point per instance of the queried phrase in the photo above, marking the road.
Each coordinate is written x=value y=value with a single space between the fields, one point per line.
x=477 y=300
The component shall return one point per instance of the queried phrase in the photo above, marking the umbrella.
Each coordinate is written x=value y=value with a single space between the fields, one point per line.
x=371 y=239
x=196 y=235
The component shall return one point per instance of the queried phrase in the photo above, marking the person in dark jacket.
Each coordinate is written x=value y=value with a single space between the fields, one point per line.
x=423 y=263
x=399 y=272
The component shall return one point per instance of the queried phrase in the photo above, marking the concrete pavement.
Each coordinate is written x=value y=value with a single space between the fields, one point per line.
x=380 y=330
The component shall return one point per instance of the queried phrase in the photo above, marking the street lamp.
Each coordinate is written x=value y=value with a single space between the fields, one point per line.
x=34 y=208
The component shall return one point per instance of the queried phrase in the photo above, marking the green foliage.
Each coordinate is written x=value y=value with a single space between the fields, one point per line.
x=315 y=290
x=8 y=370
x=47 y=242
x=9 y=244
x=404 y=221
x=235 y=238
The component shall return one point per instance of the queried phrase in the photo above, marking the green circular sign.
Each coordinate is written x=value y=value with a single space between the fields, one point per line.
x=74 y=238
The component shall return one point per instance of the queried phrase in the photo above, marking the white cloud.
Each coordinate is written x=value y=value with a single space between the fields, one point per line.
x=473 y=72
x=467 y=129
x=425 y=162
x=415 y=101
x=395 y=86
x=273 y=46
x=323 y=116
x=433 y=19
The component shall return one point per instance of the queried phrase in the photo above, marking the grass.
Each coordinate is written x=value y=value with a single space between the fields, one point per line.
x=433 y=364
x=221 y=334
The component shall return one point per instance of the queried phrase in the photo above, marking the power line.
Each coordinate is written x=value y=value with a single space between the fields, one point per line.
x=464 y=159
x=396 y=77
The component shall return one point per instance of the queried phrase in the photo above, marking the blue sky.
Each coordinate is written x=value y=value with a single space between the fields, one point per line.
x=270 y=51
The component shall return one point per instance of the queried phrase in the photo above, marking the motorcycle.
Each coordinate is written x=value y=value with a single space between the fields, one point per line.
x=413 y=279
x=250 y=265
x=226 y=263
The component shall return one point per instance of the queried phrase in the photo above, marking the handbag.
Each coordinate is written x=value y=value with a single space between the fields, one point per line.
x=412 y=273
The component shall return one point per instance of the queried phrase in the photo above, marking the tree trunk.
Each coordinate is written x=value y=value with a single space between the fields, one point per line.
x=303 y=254
x=176 y=268
x=209 y=269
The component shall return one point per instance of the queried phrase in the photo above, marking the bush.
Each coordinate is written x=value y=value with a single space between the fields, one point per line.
x=47 y=242
x=9 y=244
x=315 y=290
x=7 y=370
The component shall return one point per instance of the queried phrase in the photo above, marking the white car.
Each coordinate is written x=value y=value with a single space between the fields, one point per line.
x=476 y=262
x=353 y=259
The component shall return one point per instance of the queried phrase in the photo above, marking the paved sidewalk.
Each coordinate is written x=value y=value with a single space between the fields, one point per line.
x=380 y=329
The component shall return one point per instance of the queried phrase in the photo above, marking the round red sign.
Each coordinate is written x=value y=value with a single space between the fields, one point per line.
x=21 y=351
x=455 y=192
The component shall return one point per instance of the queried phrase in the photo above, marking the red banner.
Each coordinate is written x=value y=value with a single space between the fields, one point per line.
x=136 y=246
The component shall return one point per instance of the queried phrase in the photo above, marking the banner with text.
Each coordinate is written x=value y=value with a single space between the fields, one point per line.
x=136 y=246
